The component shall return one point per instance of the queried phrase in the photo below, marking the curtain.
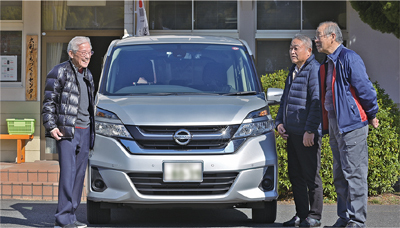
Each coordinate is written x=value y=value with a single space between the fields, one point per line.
x=54 y=15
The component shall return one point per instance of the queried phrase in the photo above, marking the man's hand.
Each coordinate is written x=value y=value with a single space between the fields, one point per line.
x=308 y=139
x=374 y=122
x=55 y=133
x=282 y=131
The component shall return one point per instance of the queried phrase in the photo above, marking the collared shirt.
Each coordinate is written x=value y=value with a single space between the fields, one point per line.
x=296 y=71
x=329 y=96
x=83 y=70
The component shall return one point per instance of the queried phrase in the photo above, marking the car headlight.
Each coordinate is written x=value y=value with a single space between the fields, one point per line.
x=256 y=123
x=108 y=124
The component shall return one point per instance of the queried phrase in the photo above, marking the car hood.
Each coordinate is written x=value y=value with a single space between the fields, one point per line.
x=181 y=110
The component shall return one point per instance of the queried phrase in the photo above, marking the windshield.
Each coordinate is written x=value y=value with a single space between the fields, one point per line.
x=179 y=68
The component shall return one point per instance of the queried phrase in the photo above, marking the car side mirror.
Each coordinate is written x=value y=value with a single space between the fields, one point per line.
x=274 y=96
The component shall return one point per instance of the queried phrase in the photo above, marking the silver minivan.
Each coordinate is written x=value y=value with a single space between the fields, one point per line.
x=182 y=121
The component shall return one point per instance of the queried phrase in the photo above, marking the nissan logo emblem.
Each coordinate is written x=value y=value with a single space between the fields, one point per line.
x=182 y=137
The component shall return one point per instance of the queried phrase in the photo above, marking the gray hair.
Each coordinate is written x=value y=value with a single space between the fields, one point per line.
x=333 y=27
x=73 y=45
x=304 y=39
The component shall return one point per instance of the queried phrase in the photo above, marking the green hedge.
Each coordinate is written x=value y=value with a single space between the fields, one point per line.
x=383 y=146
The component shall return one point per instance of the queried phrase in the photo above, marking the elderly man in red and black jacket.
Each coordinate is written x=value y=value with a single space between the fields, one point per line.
x=298 y=121
x=349 y=103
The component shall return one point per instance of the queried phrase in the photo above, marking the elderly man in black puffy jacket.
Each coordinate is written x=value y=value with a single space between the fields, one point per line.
x=68 y=117
x=298 y=121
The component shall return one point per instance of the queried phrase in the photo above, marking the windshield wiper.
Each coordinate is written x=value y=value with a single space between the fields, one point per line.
x=180 y=94
x=147 y=94
x=160 y=94
x=196 y=93
x=240 y=93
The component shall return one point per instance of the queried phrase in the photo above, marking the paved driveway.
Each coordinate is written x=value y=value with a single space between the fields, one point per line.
x=20 y=213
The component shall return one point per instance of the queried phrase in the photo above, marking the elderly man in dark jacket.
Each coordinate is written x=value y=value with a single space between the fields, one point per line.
x=68 y=117
x=298 y=121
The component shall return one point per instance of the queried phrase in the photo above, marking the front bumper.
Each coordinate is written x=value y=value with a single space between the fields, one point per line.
x=250 y=162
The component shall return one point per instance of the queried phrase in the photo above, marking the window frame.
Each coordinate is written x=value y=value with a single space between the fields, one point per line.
x=288 y=34
x=216 y=32
x=15 y=26
x=291 y=30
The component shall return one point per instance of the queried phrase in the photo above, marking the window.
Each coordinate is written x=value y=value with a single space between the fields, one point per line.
x=215 y=15
x=315 y=12
x=11 y=10
x=279 y=15
x=279 y=21
x=299 y=15
x=175 y=68
x=207 y=15
x=274 y=55
x=167 y=15
x=10 y=53
x=61 y=15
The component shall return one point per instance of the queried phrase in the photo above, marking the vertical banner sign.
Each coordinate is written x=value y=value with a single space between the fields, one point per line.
x=31 y=68
x=142 y=24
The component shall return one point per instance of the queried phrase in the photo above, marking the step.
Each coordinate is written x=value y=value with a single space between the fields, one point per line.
x=25 y=175
x=31 y=180
x=29 y=190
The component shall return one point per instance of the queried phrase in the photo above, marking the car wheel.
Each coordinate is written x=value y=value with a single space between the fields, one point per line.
x=96 y=214
x=266 y=214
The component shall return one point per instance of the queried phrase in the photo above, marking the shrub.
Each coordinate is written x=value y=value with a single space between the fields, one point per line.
x=383 y=146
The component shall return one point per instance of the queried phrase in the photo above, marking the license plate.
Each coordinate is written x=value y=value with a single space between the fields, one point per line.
x=183 y=171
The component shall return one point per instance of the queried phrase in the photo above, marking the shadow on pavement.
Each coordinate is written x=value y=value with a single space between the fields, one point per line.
x=42 y=215
x=30 y=214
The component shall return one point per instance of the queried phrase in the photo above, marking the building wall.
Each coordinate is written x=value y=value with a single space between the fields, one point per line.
x=12 y=98
x=380 y=52
x=20 y=110
x=247 y=23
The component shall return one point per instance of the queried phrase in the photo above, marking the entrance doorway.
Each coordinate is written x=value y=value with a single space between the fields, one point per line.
x=54 y=51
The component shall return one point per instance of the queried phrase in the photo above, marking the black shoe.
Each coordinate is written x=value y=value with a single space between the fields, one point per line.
x=80 y=224
x=310 y=222
x=338 y=223
x=353 y=224
x=66 y=226
x=295 y=221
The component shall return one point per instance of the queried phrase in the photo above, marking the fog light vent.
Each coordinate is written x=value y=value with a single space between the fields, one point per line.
x=97 y=182
x=267 y=183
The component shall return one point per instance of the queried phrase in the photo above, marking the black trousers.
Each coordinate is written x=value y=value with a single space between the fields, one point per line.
x=304 y=164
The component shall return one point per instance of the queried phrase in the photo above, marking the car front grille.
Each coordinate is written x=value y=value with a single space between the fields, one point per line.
x=171 y=145
x=212 y=184
x=203 y=137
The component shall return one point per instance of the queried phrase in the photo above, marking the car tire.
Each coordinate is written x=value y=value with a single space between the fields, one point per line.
x=96 y=214
x=266 y=214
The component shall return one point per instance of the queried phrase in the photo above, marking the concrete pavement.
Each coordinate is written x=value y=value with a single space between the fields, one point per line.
x=24 y=213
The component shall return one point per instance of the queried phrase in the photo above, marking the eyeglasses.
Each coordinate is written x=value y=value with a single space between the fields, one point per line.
x=84 y=53
x=319 y=36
